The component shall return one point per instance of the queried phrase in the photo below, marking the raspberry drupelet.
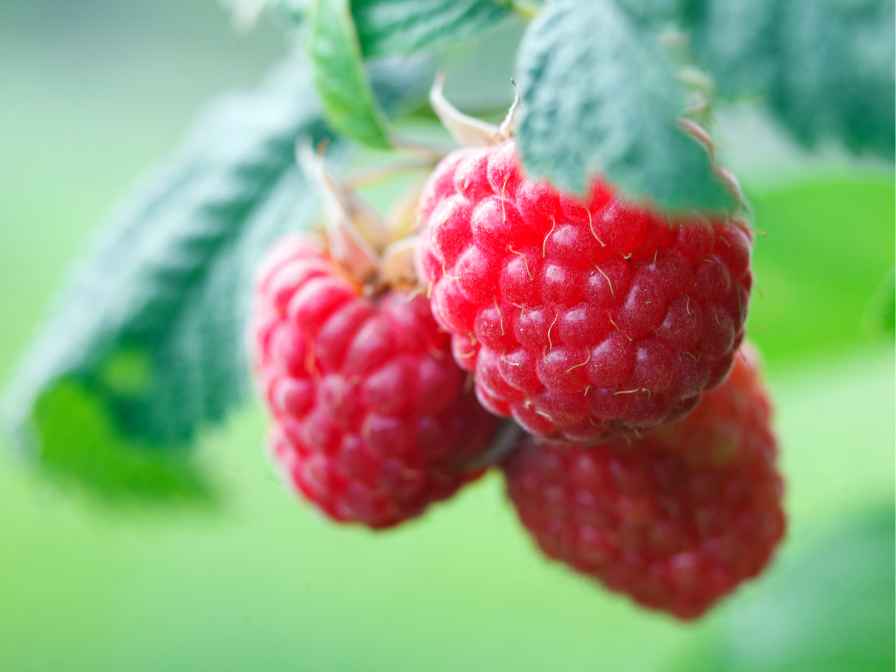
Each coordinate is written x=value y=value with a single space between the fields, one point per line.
x=372 y=417
x=677 y=519
x=581 y=319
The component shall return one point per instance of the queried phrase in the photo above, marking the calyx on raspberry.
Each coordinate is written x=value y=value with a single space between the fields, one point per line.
x=373 y=420
x=677 y=519
x=582 y=318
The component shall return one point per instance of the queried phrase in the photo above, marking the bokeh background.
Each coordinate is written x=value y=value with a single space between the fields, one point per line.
x=96 y=91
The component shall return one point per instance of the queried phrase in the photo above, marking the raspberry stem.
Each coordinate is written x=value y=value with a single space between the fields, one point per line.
x=506 y=441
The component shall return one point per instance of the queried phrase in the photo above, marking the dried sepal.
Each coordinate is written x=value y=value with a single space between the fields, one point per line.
x=466 y=130
x=398 y=266
x=355 y=232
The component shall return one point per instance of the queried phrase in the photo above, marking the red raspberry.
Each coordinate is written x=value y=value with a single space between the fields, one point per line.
x=677 y=519
x=372 y=418
x=581 y=320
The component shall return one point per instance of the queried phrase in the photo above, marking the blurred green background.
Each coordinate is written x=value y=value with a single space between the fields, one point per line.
x=94 y=93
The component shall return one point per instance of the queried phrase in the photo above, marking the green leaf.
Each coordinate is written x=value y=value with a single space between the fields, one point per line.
x=149 y=336
x=600 y=96
x=401 y=27
x=339 y=74
x=825 y=70
x=828 y=610
x=150 y=328
x=77 y=437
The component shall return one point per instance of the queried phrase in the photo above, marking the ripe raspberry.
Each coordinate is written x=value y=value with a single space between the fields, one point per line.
x=585 y=319
x=372 y=418
x=675 y=520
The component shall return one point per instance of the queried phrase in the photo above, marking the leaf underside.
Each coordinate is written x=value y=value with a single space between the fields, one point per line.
x=600 y=97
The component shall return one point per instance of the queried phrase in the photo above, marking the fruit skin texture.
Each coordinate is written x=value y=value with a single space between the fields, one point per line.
x=675 y=520
x=581 y=319
x=373 y=420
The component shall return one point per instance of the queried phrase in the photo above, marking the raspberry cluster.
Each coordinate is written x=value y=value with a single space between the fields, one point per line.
x=581 y=319
x=602 y=331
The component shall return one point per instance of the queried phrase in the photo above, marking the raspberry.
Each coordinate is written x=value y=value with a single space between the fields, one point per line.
x=372 y=418
x=678 y=518
x=581 y=319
